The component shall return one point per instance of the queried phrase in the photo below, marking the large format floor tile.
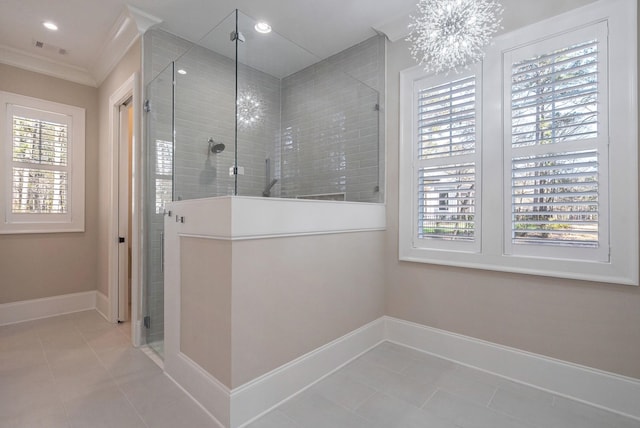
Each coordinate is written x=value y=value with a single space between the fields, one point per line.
x=392 y=386
x=79 y=371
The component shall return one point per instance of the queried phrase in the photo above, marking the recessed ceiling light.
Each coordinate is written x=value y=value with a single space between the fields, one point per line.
x=182 y=71
x=262 y=27
x=50 y=25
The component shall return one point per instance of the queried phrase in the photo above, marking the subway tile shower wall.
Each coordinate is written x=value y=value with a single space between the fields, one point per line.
x=331 y=126
x=320 y=127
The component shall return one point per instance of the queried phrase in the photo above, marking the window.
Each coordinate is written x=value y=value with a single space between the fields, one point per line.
x=43 y=166
x=164 y=174
x=528 y=162
x=446 y=160
x=556 y=144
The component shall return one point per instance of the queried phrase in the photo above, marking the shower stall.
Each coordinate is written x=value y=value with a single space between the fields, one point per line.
x=247 y=113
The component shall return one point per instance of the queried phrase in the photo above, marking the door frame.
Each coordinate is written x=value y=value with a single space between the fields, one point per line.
x=129 y=89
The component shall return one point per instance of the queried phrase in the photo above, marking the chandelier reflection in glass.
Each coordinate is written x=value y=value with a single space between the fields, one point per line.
x=250 y=109
x=451 y=34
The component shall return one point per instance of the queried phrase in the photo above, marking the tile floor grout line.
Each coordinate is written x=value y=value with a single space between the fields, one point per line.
x=117 y=385
x=55 y=381
x=430 y=397
x=64 y=402
x=495 y=392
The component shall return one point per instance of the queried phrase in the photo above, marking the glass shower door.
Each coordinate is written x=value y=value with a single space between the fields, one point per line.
x=159 y=191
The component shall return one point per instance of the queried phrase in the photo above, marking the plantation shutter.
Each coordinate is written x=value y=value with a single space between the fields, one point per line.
x=557 y=146
x=164 y=174
x=40 y=168
x=446 y=128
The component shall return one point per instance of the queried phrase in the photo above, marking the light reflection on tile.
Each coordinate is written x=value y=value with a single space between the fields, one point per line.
x=94 y=384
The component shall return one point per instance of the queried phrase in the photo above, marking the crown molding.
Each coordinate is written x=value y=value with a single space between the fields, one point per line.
x=129 y=26
x=142 y=19
x=395 y=29
x=46 y=66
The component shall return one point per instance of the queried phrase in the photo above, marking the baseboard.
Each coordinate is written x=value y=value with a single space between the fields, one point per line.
x=242 y=405
x=605 y=390
x=262 y=394
x=26 y=310
x=102 y=304
x=205 y=389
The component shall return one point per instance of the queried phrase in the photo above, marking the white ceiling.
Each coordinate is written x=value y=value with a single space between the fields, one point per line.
x=323 y=27
x=88 y=28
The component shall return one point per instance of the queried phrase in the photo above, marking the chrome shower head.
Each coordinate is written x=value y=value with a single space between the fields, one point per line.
x=215 y=147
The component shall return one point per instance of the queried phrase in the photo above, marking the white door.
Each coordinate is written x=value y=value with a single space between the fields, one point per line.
x=124 y=209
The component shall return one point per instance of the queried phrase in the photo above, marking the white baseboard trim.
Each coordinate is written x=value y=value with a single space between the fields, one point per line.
x=27 y=310
x=253 y=399
x=206 y=390
x=102 y=304
x=238 y=407
x=605 y=390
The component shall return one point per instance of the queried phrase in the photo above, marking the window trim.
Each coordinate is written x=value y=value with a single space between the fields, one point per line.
x=622 y=267
x=73 y=220
x=599 y=143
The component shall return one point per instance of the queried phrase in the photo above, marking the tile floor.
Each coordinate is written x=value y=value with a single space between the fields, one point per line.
x=78 y=370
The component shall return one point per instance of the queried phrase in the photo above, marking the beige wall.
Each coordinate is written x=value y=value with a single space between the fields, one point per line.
x=43 y=265
x=128 y=65
x=249 y=306
x=293 y=295
x=205 y=304
x=593 y=324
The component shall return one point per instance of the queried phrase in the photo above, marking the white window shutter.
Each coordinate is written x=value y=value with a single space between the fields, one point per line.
x=556 y=151
x=446 y=161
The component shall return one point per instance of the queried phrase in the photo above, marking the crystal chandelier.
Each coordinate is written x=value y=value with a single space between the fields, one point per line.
x=249 y=109
x=450 y=34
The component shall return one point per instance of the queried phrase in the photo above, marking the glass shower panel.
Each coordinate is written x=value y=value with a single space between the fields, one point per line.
x=159 y=185
x=330 y=136
x=306 y=129
x=263 y=60
x=204 y=116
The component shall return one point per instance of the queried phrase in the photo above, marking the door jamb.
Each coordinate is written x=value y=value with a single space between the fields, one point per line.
x=129 y=89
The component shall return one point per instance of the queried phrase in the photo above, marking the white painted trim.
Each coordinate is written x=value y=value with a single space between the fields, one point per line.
x=120 y=38
x=279 y=217
x=102 y=304
x=75 y=118
x=129 y=26
x=142 y=20
x=128 y=89
x=153 y=355
x=605 y=390
x=137 y=205
x=46 y=66
x=204 y=388
x=26 y=310
x=242 y=405
x=213 y=418
x=622 y=266
x=257 y=397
